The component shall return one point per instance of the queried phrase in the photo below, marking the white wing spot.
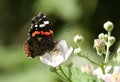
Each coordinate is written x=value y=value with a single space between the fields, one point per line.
x=44 y=16
x=42 y=25
x=36 y=25
x=46 y=22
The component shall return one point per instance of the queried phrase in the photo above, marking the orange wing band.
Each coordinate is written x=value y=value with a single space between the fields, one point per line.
x=35 y=33
x=42 y=33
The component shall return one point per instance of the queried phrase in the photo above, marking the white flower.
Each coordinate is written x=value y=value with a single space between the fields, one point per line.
x=99 y=73
x=114 y=77
x=107 y=77
x=87 y=68
x=58 y=55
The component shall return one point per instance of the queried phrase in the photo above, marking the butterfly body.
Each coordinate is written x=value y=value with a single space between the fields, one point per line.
x=40 y=37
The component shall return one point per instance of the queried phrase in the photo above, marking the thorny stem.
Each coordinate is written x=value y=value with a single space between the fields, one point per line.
x=64 y=74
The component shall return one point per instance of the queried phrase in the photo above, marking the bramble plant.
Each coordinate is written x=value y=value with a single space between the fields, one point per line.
x=68 y=73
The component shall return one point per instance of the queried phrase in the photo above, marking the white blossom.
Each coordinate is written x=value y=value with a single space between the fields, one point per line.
x=87 y=68
x=99 y=73
x=58 y=55
x=114 y=77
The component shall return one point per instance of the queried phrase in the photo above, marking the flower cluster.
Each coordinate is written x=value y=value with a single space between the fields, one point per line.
x=102 y=45
x=96 y=71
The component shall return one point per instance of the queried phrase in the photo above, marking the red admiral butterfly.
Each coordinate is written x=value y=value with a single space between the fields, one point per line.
x=40 y=37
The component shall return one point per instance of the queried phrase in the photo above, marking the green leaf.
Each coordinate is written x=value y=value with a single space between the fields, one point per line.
x=75 y=75
x=78 y=76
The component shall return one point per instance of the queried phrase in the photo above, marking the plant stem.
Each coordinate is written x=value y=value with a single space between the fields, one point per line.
x=107 y=50
x=59 y=75
x=64 y=74
x=70 y=73
x=89 y=59
x=107 y=55
x=102 y=64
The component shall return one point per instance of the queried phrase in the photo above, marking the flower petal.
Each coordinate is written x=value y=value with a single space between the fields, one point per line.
x=107 y=77
x=58 y=55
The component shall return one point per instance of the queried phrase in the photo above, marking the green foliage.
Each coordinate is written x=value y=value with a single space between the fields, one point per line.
x=76 y=15
x=79 y=76
x=71 y=74
x=66 y=9
x=15 y=67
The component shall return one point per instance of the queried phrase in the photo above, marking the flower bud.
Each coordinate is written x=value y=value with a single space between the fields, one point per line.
x=108 y=26
x=105 y=36
x=111 y=40
x=78 y=39
x=99 y=44
x=118 y=51
x=101 y=36
x=77 y=51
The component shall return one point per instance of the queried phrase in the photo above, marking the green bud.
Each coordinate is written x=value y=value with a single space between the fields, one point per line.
x=105 y=36
x=118 y=51
x=77 y=50
x=118 y=55
x=78 y=39
x=101 y=36
x=108 y=26
x=111 y=40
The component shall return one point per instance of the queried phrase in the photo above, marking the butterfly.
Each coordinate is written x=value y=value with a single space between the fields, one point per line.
x=40 y=37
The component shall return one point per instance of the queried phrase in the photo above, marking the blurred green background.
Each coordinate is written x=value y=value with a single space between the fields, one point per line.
x=67 y=17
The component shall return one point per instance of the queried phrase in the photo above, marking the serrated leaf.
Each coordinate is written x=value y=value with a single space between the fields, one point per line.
x=76 y=75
